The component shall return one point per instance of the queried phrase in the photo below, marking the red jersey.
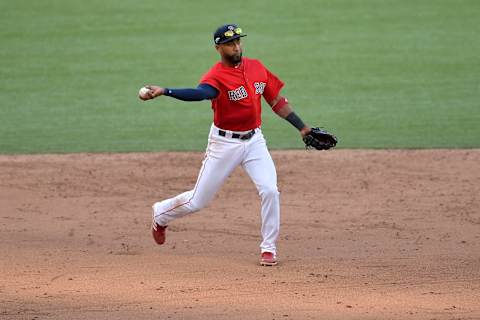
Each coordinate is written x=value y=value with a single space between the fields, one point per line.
x=238 y=105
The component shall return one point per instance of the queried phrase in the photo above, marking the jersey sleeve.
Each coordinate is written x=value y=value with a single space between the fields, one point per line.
x=273 y=87
x=210 y=79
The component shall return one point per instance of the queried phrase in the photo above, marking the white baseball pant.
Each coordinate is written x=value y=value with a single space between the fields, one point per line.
x=223 y=155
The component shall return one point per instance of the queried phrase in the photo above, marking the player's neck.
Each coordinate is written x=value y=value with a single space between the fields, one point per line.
x=231 y=64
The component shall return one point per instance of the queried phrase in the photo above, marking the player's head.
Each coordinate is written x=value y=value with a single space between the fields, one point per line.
x=227 y=42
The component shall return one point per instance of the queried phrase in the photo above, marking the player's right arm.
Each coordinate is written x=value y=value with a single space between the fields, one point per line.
x=202 y=92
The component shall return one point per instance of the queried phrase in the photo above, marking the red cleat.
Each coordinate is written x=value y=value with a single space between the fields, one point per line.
x=268 y=259
x=158 y=232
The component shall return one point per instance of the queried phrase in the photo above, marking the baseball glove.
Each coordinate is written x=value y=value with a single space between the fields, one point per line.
x=319 y=139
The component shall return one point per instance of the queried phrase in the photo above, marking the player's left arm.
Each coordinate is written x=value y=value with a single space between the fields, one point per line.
x=283 y=109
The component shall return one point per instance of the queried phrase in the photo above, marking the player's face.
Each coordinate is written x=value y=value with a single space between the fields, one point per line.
x=231 y=51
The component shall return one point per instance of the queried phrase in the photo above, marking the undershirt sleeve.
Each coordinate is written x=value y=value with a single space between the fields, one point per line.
x=202 y=92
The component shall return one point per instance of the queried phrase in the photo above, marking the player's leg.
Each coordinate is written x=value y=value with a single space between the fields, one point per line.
x=260 y=167
x=221 y=158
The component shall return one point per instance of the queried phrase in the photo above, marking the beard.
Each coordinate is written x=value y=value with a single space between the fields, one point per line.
x=235 y=59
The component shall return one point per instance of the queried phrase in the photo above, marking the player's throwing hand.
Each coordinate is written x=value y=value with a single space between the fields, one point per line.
x=150 y=92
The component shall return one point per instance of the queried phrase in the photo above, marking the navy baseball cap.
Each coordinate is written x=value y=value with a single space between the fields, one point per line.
x=226 y=33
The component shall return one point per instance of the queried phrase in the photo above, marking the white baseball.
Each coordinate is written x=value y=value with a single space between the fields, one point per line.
x=144 y=92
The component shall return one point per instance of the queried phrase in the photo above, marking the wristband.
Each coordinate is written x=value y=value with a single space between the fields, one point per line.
x=295 y=121
x=279 y=105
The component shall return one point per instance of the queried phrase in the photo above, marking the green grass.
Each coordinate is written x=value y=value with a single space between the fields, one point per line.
x=379 y=74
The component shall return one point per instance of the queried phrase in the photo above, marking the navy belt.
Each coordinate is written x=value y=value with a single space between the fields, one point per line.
x=245 y=136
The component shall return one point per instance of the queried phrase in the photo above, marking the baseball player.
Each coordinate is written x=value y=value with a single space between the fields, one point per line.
x=235 y=86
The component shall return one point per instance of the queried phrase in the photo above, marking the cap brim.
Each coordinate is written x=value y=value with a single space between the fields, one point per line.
x=232 y=38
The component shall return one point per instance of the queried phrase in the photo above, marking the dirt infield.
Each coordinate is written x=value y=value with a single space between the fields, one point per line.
x=365 y=235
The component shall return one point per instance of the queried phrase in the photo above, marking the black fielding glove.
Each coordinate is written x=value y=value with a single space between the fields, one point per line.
x=320 y=139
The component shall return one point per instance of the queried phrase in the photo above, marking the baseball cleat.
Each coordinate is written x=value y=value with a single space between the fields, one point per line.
x=268 y=259
x=158 y=232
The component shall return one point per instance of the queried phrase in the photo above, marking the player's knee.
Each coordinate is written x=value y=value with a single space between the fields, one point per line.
x=199 y=201
x=269 y=192
x=197 y=205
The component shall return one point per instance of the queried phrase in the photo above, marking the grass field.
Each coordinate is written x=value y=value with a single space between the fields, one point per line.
x=379 y=74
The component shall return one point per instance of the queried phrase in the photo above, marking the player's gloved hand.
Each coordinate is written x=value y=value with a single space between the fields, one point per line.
x=319 y=139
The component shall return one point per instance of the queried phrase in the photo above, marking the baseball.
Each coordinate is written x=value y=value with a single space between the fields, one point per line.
x=143 y=93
